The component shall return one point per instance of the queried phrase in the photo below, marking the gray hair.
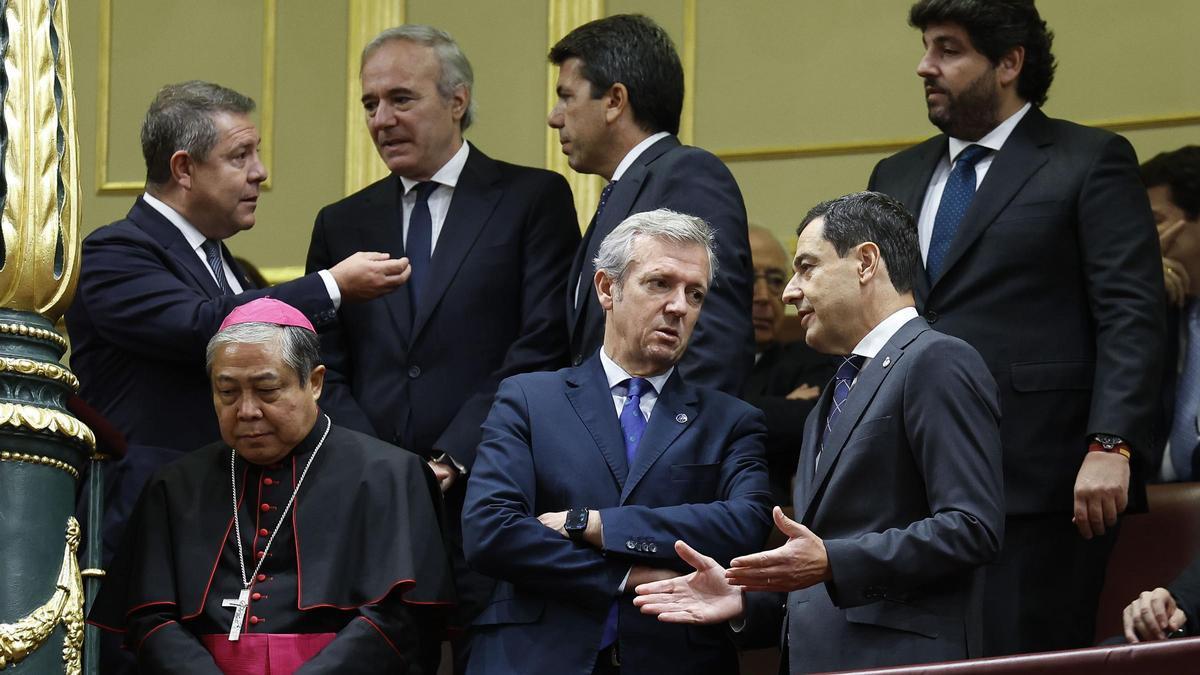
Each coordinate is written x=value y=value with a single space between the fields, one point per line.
x=456 y=69
x=181 y=118
x=616 y=251
x=300 y=348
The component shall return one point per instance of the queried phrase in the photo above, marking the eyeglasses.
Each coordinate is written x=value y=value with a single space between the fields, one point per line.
x=775 y=281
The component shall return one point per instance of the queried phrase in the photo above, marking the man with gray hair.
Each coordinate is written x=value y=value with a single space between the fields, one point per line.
x=489 y=244
x=586 y=476
x=208 y=578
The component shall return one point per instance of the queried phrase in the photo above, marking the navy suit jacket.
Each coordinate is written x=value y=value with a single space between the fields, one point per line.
x=553 y=442
x=909 y=500
x=1055 y=277
x=491 y=306
x=144 y=312
x=692 y=181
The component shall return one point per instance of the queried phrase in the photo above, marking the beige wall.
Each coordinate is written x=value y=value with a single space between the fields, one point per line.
x=826 y=85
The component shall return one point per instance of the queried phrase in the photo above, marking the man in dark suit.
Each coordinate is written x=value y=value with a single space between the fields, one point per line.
x=1041 y=253
x=1172 y=181
x=620 y=93
x=585 y=477
x=898 y=496
x=489 y=243
x=787 y=377
x=154 y=287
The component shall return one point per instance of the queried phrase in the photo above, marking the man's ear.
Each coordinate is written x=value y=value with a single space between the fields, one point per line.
x=183 y=168
x=1008 y=70
x=616 y=101
x=316 y=380
x=459 y=102
x=868 y=261
x=605 y=290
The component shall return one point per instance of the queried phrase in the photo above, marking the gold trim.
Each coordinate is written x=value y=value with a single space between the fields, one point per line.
x=91 y=572
x=49 y=371
x=894 y=145
x=9 y=456
x=46 y=420
x=687 y=121
x=367 y=18
x=563 y=16
x=37 y=333
x=104 y=95
x=278 y=275
x=24 y=636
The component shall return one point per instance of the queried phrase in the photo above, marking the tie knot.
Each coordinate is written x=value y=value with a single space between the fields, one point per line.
x=971 y=154
x=638 y=386
x=424 y=189
x=849 y=367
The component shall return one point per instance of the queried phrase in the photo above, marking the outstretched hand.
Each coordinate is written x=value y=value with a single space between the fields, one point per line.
x=702 y=597
x=800 y=563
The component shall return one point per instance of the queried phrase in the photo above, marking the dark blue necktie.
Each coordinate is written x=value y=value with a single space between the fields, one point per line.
x=212 y=251
x=633 y=423
x=843 y=381
x=1185 y=435
x=419 y=246
x=956 y=198
x=585 y=269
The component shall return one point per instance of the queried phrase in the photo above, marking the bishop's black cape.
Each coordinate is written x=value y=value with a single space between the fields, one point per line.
x=364 y=529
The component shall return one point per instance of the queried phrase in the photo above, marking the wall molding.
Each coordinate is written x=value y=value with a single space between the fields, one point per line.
x=367 y=18
x=770 y=153
x=266 y=101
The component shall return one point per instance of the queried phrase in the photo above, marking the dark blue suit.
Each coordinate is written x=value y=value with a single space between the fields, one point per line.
x=692 y=181
x=145 y=310
x=909 y=500
x=553 y=442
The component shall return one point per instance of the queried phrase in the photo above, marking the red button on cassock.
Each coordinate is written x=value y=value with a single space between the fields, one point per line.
x=258 y=554
x=262 y=577
x=256 y=596
x=268 y=481
x=263 y=532
x=264 y=508
x=254 y=620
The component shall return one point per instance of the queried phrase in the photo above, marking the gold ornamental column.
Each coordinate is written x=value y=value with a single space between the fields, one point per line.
x=42 y=447
x=565 y=16
x=368 y=18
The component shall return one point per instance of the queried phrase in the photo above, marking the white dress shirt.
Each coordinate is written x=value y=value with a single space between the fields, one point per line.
x=994 y=140
x=194 y=239
x=878 y=336
x=439 y=200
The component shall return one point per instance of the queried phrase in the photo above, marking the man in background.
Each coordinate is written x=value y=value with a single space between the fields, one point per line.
x=620 y=93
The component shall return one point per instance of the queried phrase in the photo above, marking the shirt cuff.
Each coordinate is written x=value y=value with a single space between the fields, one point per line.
x=445 y=458
x=335 y=293
x=621 y=588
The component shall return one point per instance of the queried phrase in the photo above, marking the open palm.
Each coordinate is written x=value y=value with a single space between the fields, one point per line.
x=702 y=597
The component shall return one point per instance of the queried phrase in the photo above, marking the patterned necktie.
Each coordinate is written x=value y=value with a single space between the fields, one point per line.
x=582 y=282
x=843 y=381
x=633 y=423
x=212 y=251
x=956 y=197
x=1185 y=435
x=419 y=246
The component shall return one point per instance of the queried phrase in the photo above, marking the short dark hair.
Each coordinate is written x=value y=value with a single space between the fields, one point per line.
x=995 y=27
x=638 y=53
x=872 y=216
x=1179 y=170
x=181 y=118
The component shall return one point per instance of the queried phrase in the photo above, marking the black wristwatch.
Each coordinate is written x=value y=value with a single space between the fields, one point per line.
x=576 y=525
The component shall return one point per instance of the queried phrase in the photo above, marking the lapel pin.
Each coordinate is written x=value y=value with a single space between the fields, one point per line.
x=681 y=418
x=887 y=361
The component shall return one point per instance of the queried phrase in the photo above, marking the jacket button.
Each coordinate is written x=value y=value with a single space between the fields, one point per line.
x=268 y=481
x=631 y=545
x=414 y=372
x=263 y=532
x=256 y=596
x=577 y=360
x=931 y=316
x=654 y=548
x=262 y=577
x=254 y=620
x=264 y=507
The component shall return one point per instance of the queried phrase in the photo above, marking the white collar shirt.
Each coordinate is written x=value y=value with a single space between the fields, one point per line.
x=195 y=239
x=617 y=385
x=439 y=200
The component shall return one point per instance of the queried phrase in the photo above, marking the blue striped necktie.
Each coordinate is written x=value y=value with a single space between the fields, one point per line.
x=212 y=251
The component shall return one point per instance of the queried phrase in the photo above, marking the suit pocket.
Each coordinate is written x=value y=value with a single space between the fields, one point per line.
x=700 y=478
x=870 y=428
x=1052 y=375
x=896 y=616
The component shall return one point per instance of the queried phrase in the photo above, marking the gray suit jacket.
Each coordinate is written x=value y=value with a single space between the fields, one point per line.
x=909 y=500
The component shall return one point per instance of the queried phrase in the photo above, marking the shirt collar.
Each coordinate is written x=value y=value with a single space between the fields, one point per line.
x=995 y=139
x=878 y=336
x=193 y=236
x=632 y=155
x=448 y=174
x=616 y=374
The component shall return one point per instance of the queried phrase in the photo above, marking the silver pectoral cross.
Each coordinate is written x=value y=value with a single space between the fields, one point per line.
x=239 y=613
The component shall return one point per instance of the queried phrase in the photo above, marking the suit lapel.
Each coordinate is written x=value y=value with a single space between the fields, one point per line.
x=811 y=440
x=474 y=199
x=1013 y=166
x=381 y=227
x=676 y=402
x=173 y=242
x=930 y=156
x=236 y=268
x=588 y=392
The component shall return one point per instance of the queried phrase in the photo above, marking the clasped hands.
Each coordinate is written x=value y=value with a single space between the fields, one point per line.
x=712 y=594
